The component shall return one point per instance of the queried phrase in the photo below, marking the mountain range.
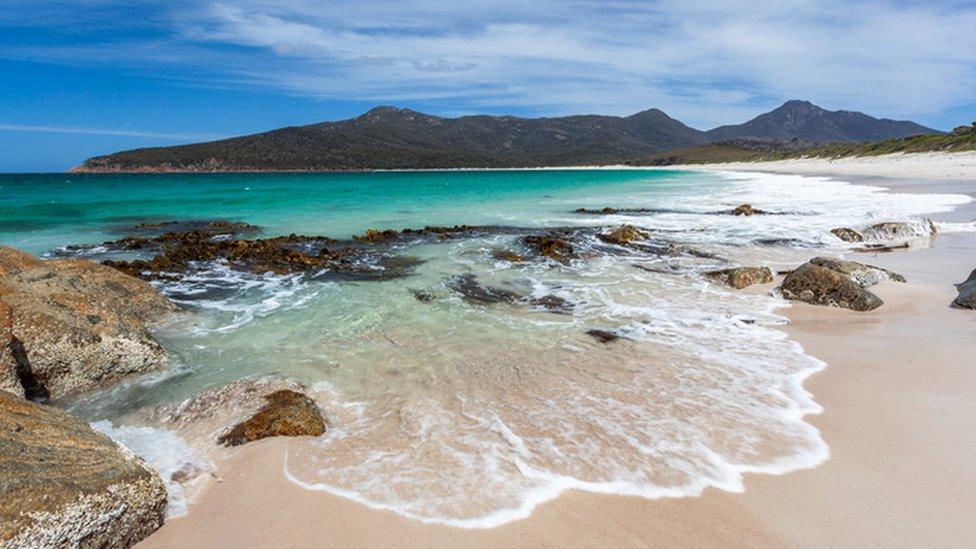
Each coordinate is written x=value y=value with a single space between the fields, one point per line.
x=393 y=138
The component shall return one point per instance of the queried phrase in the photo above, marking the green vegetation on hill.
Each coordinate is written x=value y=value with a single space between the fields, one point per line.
x=962 y=138
x=391 y=138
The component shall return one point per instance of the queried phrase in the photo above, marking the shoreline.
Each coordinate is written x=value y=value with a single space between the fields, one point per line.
x=874 y=403
x=950 y=165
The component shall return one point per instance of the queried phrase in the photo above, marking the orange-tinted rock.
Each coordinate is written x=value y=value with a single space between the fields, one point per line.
x=287 y=413
x=71 y=325
x=64 y=485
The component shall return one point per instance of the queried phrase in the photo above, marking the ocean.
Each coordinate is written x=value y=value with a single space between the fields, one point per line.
x=470 y=414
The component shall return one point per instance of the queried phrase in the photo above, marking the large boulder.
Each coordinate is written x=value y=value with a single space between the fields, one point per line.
x=967 y=293
x=742 y=277
x=287 y=413
x=64 y=485
x=819 y=285
x=864 y=275
x=71 y=325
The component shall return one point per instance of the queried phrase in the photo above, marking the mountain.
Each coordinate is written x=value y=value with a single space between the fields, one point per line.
x=393 y=138
x=807 y=122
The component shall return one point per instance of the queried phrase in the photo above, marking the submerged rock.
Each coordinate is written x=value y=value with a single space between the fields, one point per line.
x=624 y=235
x=551 y=246
x=742 y=277
x=553 y=304
x=470 y=289
x=967 y=293
x=502 y=254
x=65 y=485
x=71 y=325
x=819 y=285
x=847 y=235
x=423 y=296
x=864 y=275
x=287 y=413
x=603 y=336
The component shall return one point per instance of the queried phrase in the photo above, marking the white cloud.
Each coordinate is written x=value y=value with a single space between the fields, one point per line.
x=705 y=62
x=108 y=131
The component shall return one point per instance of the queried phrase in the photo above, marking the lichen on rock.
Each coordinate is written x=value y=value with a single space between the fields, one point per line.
x=71 y=325
x=65 y=485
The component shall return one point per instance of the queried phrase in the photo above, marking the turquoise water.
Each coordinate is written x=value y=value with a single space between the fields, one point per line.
x=41 y=212
x=470 y=414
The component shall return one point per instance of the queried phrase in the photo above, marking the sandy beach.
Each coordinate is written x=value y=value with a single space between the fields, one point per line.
x=898 y=417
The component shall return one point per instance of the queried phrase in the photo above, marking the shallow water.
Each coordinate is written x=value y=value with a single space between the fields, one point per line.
x=468 y=414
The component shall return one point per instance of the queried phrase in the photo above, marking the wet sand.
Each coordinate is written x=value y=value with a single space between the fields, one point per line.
x=899 y=399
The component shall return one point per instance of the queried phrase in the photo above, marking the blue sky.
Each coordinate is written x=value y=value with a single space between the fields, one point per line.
x=85 y=77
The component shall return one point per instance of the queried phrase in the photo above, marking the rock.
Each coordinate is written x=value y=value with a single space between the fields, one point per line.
x=71 y=325
x=822 y=286
x=967 y=293
x=847 y=235
x=603 y=336
x=747 y=210
x=553 y=304
x=890 y=231
x=65 y=485
x=287 y=413
x=502 y=254
x=551 y=246
x=473 y=291
x=880 y=248
x=742 y=277
x=373 y=236
x=423 y=296
x=864 y=275
x=624 y=235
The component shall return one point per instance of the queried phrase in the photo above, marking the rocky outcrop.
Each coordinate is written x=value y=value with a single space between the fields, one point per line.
x=287 y=413
x=624 y=235
x=742 y=277
x=73 y=325
x=551 y=246
x=847 y=235
x=837 y=283
x=747 y=210
x=967 y=293
x=64 y=485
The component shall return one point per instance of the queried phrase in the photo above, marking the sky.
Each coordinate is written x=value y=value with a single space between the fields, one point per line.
x=85 y=77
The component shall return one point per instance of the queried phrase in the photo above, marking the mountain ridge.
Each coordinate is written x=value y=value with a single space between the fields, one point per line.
x=388 y=137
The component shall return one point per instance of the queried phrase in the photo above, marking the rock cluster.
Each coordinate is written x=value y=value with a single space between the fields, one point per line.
x=72 y=325
x=832 y=282
x=742 y=277
x=65 y=485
